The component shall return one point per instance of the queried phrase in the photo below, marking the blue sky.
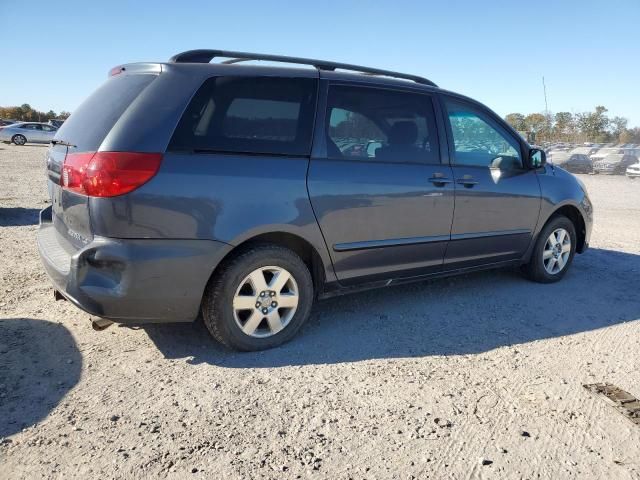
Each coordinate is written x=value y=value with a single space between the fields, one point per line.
x=58 y=52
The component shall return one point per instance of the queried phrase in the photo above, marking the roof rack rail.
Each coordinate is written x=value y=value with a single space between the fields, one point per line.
x=205 y=56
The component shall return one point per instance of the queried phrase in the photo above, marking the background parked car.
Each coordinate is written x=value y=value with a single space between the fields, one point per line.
x=552 y=149
x=27 y=132
x=633 y=171
x=603 y=152
x=586 y=150
x=614 y=164
x=573 y=162
x=56 y=122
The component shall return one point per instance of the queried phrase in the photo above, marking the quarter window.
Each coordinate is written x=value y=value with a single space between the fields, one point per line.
x=266 y=115
x=479 y=142
x=374 y=124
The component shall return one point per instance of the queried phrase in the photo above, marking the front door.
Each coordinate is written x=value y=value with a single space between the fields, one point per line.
x=382 y=197
x=497 y=195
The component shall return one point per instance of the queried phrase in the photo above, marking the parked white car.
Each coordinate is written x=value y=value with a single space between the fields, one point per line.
x=633 y=171
x=27 y=132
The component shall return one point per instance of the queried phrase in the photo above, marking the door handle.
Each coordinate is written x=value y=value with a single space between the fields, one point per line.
x=439 y=181
x=467 y=182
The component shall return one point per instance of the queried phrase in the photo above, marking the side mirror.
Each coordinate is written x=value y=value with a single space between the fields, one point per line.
x=537 y=158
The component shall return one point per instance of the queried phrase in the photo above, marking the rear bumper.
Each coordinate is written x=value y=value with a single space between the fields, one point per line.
x=631 y=173
x=130 y=280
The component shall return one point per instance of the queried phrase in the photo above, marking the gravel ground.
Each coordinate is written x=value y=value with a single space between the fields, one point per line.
x=473 y=377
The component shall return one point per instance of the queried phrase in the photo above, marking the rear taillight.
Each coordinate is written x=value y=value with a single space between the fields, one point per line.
x=108 y=174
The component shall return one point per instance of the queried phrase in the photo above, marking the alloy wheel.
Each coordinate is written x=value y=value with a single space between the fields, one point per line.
x=265 y=302
x=556 y=251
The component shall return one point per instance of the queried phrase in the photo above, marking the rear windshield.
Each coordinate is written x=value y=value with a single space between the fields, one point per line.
x=265 y=115
x=90 y=123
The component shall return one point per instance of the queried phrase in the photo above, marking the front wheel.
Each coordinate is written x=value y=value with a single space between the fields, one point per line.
x=19 y=140
x=553 y=252
x=259 y=299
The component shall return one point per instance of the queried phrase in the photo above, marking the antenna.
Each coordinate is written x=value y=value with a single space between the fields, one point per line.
x=546 y=105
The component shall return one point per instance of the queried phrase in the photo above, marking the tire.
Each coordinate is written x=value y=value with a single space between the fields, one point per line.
x=19 y=140
x=538 y=267
x=237 y=284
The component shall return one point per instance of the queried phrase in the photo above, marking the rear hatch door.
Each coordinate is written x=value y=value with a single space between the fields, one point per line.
x=83 y=133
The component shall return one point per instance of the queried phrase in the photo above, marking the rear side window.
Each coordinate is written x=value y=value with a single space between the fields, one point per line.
x=90 y=123
x=264 y=115
x=371 y=124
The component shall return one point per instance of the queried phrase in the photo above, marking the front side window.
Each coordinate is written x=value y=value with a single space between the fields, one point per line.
x=479 y=142
x=264 y=115
x=372 y=124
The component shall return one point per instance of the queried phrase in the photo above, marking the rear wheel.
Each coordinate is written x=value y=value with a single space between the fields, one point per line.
x=553 y=252
x=259 y=299
x=19 y=139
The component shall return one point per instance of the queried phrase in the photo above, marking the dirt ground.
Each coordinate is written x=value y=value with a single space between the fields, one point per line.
x=473 y=377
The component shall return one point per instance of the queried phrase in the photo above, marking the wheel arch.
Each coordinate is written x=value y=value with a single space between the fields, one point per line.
x=574 y=214
x=302 y=247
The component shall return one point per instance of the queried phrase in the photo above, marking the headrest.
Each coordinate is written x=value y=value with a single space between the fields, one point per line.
x=404 y=132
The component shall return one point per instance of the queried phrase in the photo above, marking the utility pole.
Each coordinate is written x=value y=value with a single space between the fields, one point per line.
x=546 y=109
x=546 y=105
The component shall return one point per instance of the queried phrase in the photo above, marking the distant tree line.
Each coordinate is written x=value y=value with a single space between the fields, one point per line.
x=26 y=113
x=595 y=126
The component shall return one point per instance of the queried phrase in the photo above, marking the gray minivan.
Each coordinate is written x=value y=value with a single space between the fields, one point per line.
x=244 y=192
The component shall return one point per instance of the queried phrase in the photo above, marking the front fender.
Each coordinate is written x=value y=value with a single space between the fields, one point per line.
x=559 y=190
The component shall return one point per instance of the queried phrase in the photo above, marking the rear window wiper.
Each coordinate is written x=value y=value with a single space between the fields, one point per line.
x=62 y=142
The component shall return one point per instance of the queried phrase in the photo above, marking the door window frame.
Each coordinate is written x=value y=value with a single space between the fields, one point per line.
x=491 y=119
x=319 y=148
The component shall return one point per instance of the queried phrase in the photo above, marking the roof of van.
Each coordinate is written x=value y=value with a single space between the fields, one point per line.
x=238 y=63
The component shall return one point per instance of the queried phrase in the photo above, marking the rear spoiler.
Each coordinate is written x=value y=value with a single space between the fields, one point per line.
x=152 y=68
